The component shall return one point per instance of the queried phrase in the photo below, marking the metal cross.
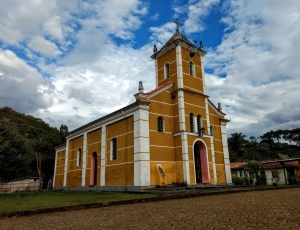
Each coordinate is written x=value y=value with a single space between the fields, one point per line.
x=178 y=24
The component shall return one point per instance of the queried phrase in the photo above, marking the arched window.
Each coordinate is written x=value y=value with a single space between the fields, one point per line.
x=114 y=148
x=78 y=156
x=167 y=70
x=211 y=130
x=192 y=68
x=160 y=124
x=199 y=122
x=192 y=122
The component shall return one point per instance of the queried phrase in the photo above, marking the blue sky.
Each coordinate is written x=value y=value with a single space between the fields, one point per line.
x=70 y=62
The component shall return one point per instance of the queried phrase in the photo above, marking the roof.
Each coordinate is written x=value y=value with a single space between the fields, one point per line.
x=154 y=91
x=237 y=165
x=269 y=164
x=178 y=39
x=177 y=36
x=118 y=113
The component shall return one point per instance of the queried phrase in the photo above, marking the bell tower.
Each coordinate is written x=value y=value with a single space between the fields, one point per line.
x=180 y=61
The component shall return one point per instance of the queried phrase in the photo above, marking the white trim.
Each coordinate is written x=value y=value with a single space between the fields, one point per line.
x=198 y=106
x=141 y=148
x=198 y=139
x=123 y=134
x=83 y=156
x=66 y=163
x=159 y=114
x=213 y=159
x=193 y=69
x=156 y=73
x=161 y=102
x=165 y=70
x=148 y=96
x=202 y=72
x=109 y=119
x=103 y=155
x=226 y=154
x=55 y=167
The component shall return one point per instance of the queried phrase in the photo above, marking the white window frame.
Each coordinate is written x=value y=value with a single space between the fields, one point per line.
x=112 y=149
x=79 y=156
x=165 y=70
x=193 y=74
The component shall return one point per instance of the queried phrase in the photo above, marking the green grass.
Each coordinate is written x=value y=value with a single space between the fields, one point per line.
x=20 y=201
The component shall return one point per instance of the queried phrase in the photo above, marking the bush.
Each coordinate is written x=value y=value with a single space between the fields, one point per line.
x=263 y=179
x=292 y=179
x=246 y=180
x=237 y=180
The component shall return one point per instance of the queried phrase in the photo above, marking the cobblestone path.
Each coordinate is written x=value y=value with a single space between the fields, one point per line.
x=270 y=209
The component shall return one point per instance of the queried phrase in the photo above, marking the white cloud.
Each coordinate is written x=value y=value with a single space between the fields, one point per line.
x=197 y=11
x=53 y=27
x=23 y=18
x=43 y=46
x=259 y=55
x=21 y=86
x=163 y=33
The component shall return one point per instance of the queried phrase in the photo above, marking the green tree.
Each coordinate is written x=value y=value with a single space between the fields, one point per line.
x=237 y=143
x=15 y=153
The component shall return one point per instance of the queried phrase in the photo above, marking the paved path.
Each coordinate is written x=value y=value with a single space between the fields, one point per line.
x=271 y=209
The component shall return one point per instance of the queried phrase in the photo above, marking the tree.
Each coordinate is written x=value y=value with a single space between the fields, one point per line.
x=236 y=143
x=39 y=137
x=15 y=153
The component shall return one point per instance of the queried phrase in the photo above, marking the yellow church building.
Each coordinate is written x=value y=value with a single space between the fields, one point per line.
x=171 y=135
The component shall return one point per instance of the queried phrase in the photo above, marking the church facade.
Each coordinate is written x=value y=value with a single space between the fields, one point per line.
x=171 y=135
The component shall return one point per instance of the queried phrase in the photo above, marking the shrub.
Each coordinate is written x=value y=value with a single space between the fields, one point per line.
x=263 y=179
x=237 y=180
x=292 y=179
x=246 y=180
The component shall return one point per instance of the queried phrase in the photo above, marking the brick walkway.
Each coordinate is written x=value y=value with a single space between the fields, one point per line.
x=271 y=209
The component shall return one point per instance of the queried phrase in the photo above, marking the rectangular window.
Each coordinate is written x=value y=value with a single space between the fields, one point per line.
x=114 y=148
x=78 y=156
x=275 y=174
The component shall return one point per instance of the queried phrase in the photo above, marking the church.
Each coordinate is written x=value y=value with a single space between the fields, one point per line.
x=171 y=135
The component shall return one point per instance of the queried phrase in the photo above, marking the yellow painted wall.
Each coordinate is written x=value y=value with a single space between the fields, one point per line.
x=59 y=170
x=170 y=58
x=193 y=82
x=119 y=172
x=93 y=145
x=74 y=174
x=119 y=175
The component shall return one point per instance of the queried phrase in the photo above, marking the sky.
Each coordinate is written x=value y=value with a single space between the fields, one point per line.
x=71 y=62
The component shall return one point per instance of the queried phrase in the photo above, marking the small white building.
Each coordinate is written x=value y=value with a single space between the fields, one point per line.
x=277 y=171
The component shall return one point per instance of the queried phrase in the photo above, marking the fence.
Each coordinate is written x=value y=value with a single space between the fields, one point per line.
x=31 y=184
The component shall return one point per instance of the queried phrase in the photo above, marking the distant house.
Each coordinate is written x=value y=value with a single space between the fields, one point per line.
x=276 y=170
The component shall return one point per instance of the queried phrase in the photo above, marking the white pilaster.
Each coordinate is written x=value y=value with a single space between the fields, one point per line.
x=84 y=153
x=103 y=155
x=141 y=148
x=207 y=117
x=156 y=72
x=226 y=153
x=66 y=163
x=213 y=160
x=195 y=124
x=202 y=72
x=184 y=143
x=55 y=164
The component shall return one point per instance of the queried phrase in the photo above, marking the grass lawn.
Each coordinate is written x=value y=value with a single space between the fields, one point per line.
x=20 y=201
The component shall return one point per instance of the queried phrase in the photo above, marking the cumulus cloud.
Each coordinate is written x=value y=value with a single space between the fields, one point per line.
x=43 y=46
x=53 y=27
x=258 y=56
x=197 y=11
x=22 y=87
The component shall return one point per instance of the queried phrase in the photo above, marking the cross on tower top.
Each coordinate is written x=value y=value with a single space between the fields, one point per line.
x=178 y=24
